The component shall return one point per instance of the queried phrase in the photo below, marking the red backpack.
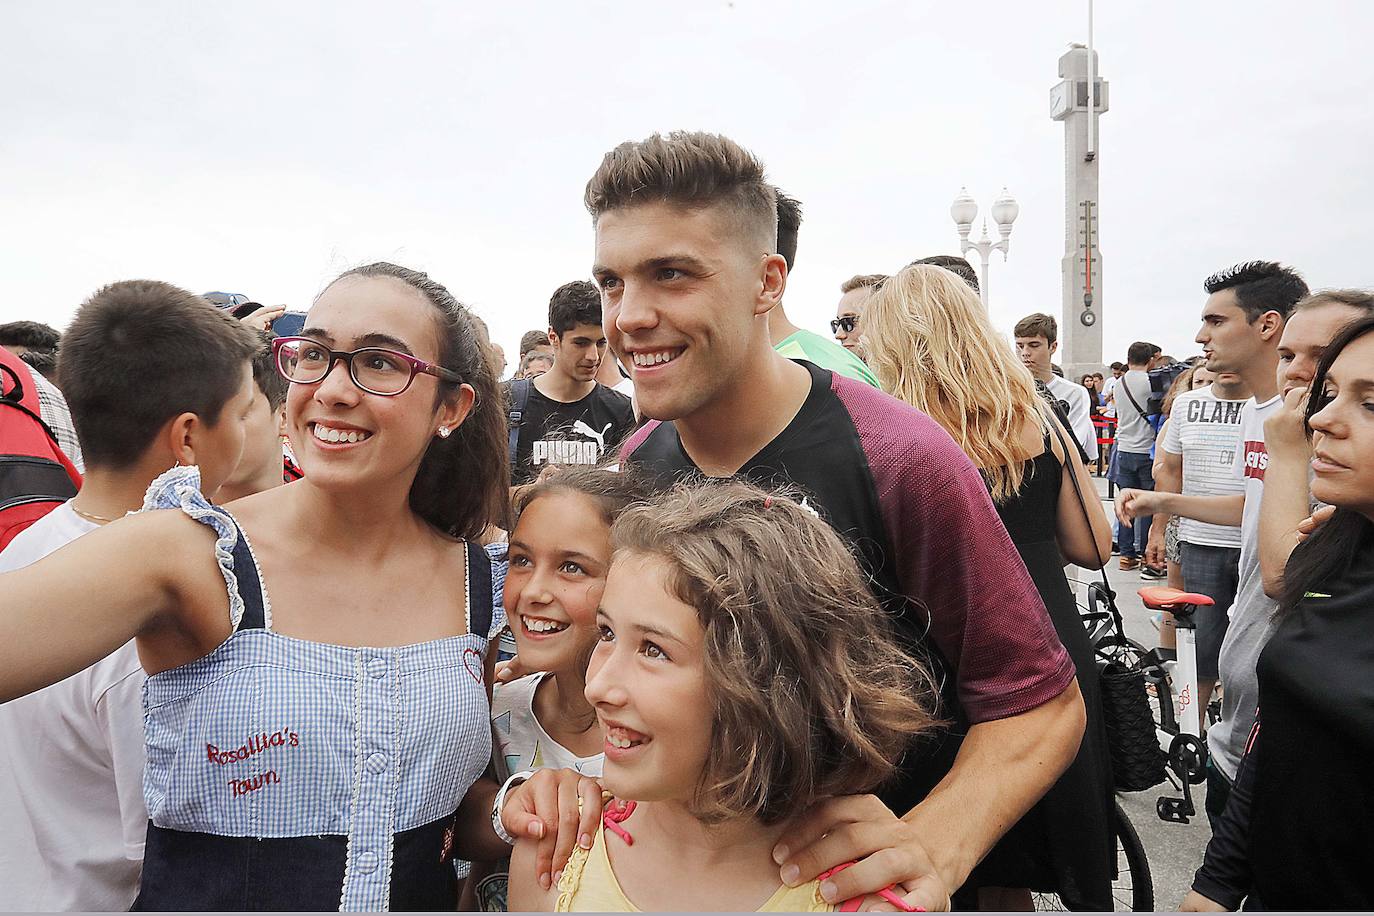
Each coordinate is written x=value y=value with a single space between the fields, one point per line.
x=35 y=476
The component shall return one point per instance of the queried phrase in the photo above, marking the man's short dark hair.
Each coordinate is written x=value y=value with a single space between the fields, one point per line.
x=1140 y=353
x=789 y=224
x=578 y=302
x=141 y=352
x=44 y=362
x=265 y=375
x=954 y=264
x=35 y=335
x=1119 y=367
x=532 y=339
x=1038 y=325
x=1259 y=287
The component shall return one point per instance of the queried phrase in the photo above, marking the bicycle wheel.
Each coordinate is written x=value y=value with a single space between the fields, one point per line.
x=1133 y=891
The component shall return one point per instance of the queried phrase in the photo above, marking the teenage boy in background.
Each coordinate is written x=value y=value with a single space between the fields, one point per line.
x=566 y=416
x=155 y=377
x=1037 y=340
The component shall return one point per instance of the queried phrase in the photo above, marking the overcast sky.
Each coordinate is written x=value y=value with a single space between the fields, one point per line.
x=264 y=147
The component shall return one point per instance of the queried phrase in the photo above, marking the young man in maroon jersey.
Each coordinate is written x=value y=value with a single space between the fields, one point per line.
x=687 y=262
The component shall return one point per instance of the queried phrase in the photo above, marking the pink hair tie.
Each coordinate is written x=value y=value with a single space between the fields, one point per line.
x=611 y=817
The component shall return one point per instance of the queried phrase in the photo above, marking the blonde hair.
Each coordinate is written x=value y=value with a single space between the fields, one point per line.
x=930 y=343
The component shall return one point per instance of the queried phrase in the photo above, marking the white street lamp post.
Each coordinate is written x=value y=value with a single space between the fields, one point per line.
x=964 y=211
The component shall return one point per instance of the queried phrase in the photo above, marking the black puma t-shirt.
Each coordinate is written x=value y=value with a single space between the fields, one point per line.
x=552 y=432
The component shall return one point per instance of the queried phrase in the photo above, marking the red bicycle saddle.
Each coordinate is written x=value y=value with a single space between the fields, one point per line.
x=1163 y=598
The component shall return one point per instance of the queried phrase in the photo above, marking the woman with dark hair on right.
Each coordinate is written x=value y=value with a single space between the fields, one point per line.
x=1298 y=830
x=930 y=342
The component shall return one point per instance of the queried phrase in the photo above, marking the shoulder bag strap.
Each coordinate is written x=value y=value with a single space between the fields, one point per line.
x=1083 y=507
x=1130 y=397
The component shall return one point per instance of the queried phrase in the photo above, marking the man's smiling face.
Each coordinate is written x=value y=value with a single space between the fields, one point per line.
x=680 y=300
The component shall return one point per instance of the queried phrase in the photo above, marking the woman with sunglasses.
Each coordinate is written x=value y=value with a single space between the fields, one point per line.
x=847 y=325
x=319 y=749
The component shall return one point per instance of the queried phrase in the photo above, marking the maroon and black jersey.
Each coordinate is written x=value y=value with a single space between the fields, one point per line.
x=918 y=516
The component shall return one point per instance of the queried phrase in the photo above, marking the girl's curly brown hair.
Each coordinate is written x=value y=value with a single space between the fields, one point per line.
x=811 y=694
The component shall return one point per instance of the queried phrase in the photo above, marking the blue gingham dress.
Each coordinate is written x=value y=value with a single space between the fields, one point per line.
x=285 y=774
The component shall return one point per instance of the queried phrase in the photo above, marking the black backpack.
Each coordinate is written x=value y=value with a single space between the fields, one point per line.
x=519 y=399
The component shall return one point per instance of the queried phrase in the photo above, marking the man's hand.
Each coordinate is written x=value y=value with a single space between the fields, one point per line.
x=861 y=829
x=1195 y=902
x=1154 y=547
x=1309 y=525
x=1285 y=431
x=1131 y=504
x=545 y=808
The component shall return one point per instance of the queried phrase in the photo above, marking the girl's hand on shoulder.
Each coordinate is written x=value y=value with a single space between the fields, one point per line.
x=510 y=670
x=546 y=809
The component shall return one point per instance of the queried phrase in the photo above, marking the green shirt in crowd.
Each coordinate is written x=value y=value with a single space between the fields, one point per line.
x=827 y=354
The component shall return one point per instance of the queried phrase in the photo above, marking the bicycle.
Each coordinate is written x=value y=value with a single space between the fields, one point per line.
x=1133 y=885
x=1133 y=888
x=1179 y=730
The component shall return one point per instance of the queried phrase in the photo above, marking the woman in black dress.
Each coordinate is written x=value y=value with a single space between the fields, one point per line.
x=931 y=344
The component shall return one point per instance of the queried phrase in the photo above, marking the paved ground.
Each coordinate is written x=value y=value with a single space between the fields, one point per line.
x=1174 y=850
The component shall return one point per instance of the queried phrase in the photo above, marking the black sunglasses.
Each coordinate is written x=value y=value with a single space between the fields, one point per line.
x=847 y=322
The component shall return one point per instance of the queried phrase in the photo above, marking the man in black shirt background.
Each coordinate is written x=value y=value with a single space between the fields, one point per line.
x=565 y=416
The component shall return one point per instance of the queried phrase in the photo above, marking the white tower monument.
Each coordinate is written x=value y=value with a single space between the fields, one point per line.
x=1077 y=101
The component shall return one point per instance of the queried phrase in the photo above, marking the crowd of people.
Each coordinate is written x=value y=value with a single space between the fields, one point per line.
x=699 y=608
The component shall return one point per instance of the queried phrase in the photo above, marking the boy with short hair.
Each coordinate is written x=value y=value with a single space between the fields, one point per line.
x=566 y=416
x=1037 y=340
x=155 y=377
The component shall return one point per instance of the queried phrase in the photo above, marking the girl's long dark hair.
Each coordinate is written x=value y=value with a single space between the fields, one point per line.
x=1328 y=554
x=461 y=486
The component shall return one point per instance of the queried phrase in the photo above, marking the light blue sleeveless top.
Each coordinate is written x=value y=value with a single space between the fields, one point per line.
x=270 y=736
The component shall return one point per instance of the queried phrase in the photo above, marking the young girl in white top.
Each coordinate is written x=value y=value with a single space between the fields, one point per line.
x=559 y=554
x=743 y=672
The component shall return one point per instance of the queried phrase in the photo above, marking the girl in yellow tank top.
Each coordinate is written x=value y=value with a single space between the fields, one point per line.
x=743 y=673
